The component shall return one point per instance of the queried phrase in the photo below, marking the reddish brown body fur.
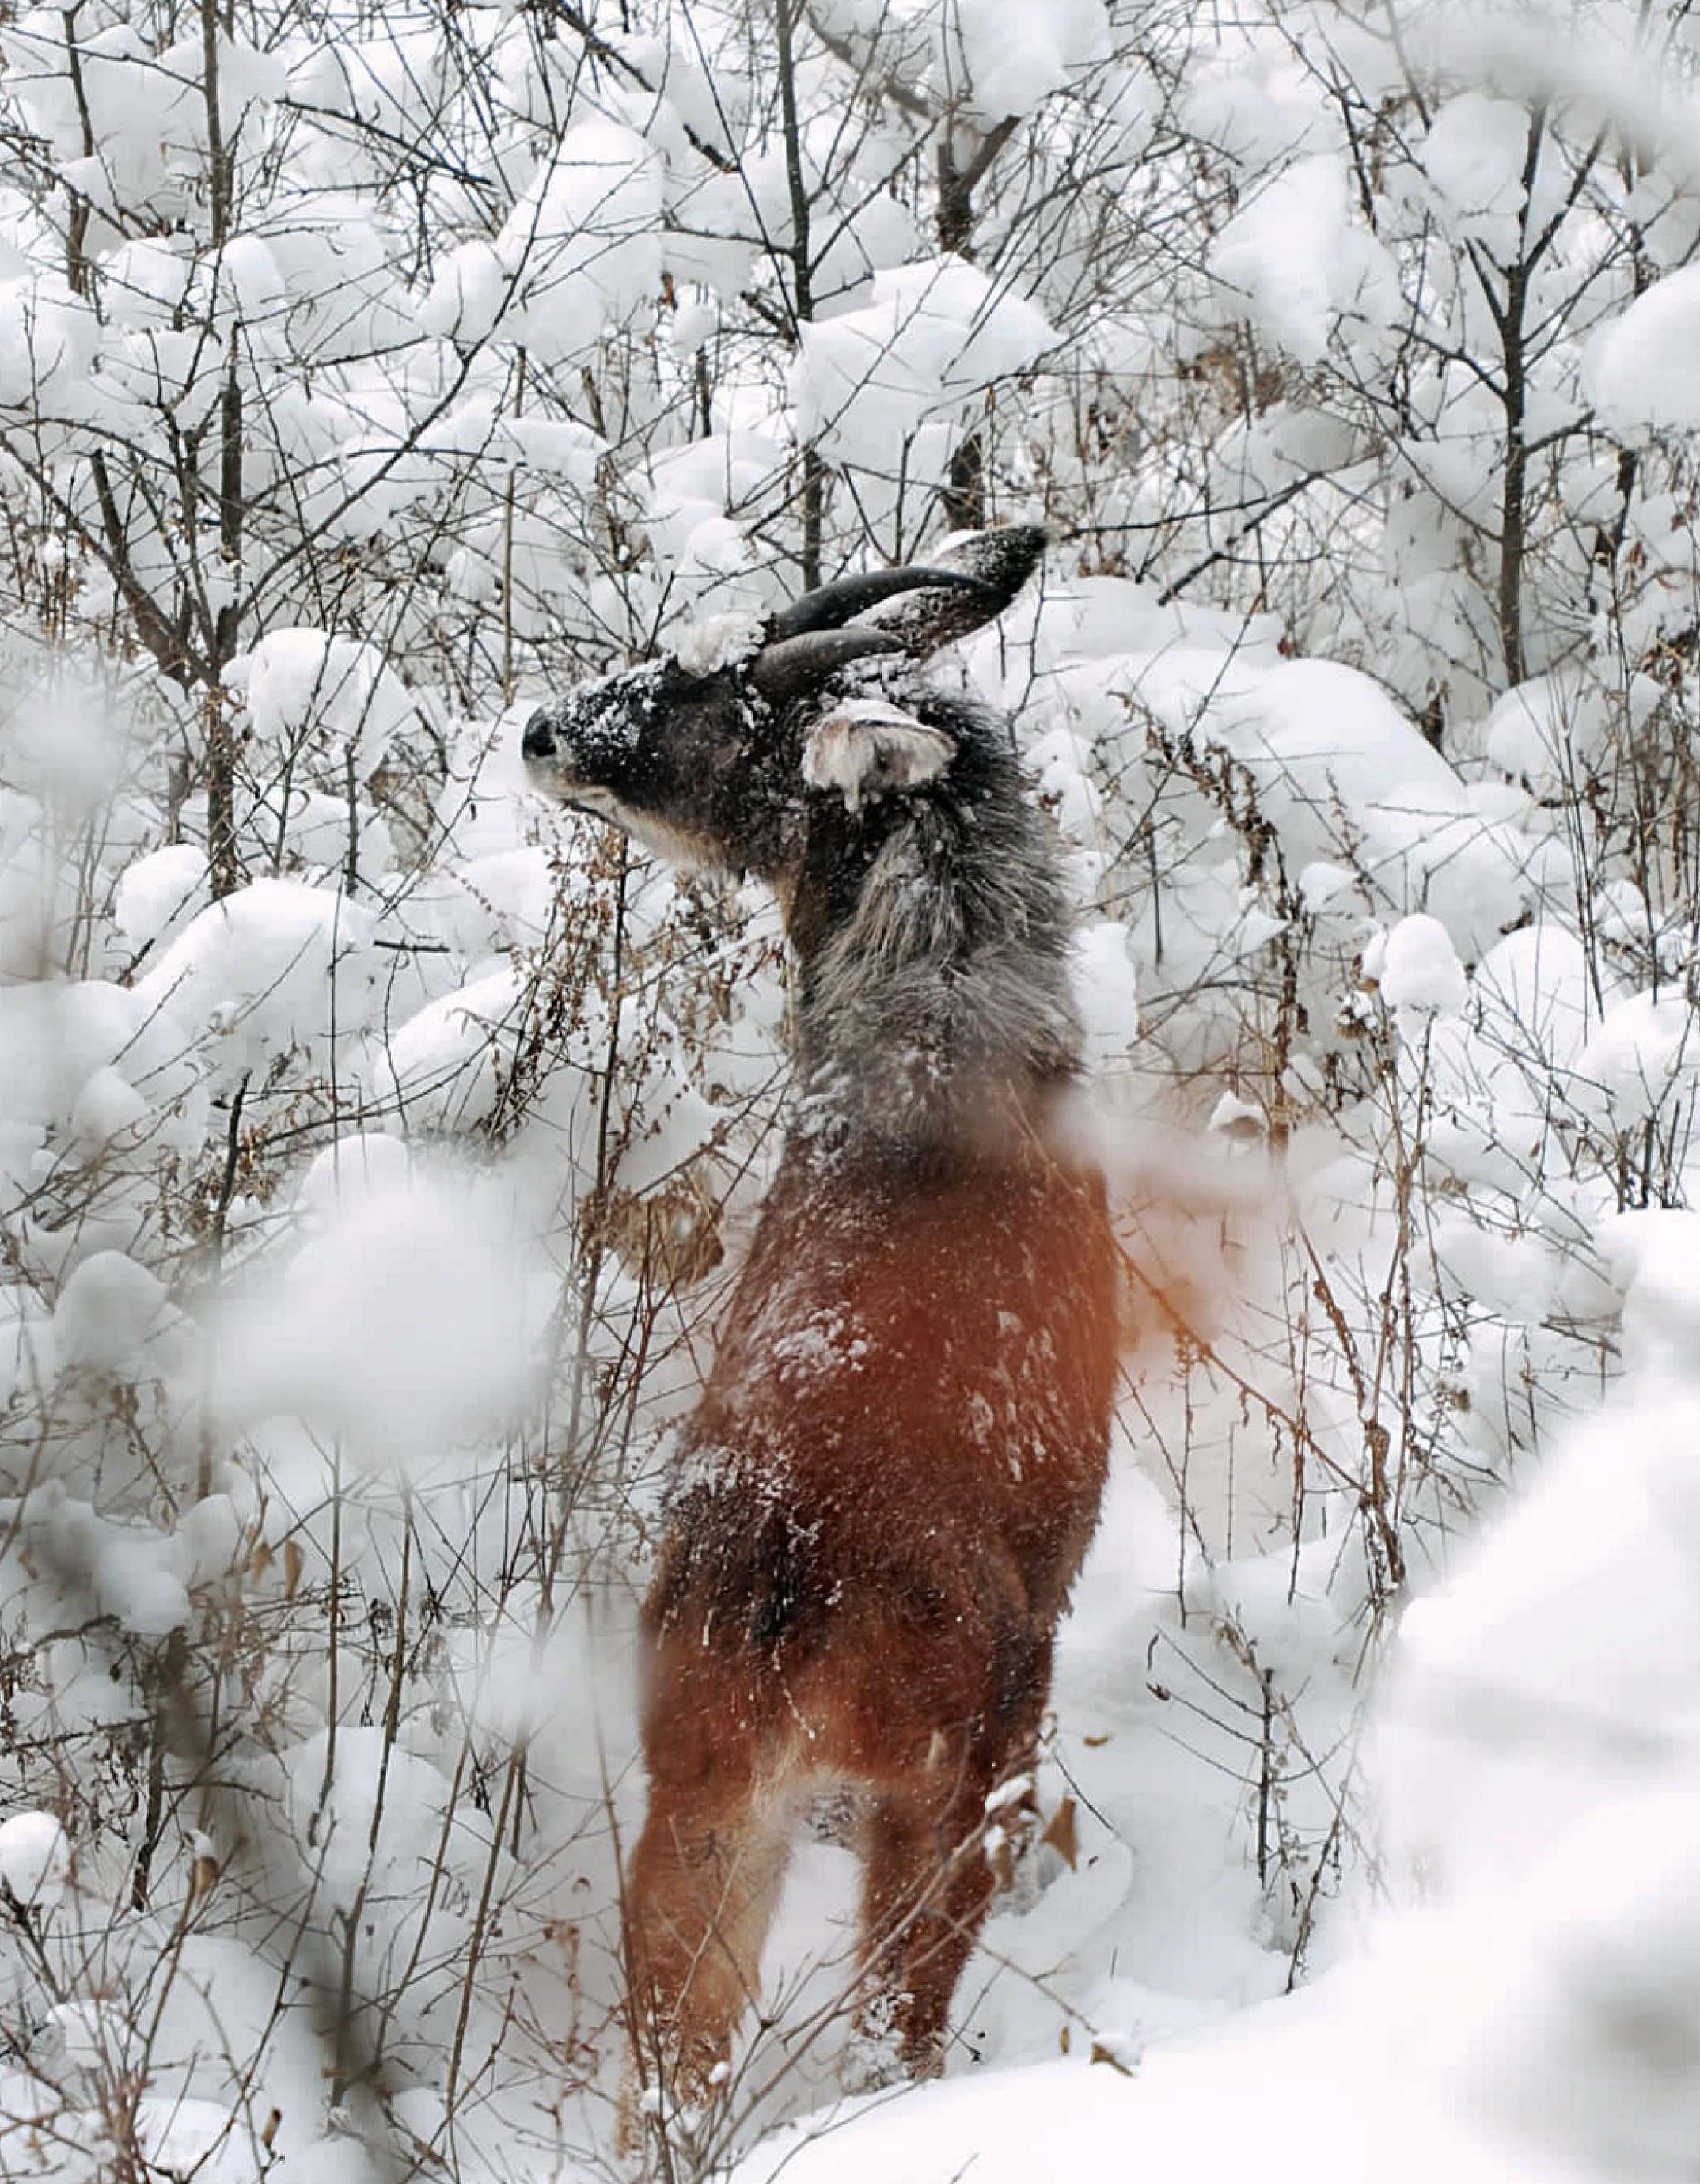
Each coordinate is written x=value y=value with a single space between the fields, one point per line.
x=890 y=1482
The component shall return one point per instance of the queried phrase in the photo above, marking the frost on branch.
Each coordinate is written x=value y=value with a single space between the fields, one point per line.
x=893 y=376
x=1303 y=264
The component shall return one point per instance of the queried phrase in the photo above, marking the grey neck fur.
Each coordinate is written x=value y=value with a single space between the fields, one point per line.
x=941 y=1006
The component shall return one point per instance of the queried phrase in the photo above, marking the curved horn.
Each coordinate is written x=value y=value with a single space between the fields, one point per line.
x=786 y=667
x=1000 y=561
x=829 y=606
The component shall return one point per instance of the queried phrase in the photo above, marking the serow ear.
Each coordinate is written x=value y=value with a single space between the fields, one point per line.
x=867 y=749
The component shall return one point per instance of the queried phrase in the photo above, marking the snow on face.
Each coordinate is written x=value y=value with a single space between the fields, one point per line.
x=604 y=720
x=672 y=757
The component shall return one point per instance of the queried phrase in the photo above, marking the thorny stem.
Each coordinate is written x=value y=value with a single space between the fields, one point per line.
x=333 y=1640
x=1266 y=1775
x=508 y=491
x=594 y=1255
x=1374 y=1499
x=481 y=1927
x=170 y=1675
x=222 y=850
x=215 y=1258
x=347 y=2061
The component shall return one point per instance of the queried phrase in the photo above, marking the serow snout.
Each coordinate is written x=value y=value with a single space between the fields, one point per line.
x=538 y=738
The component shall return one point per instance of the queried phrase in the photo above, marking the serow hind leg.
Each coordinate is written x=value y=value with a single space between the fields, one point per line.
x=928 y=1879
x=701 y=1892
x=926 y=1887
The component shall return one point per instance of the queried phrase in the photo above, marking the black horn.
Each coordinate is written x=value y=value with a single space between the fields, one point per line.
x=999 y=562
x=786 y=667
x=829 y=606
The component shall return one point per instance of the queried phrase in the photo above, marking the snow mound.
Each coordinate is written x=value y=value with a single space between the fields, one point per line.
x=1640 y=369
x=278 y=965
x=35 y=1860
x=1473 y=156
x=1418 y=967
x=1302 y=263
x=866 y=382
x=331 y=696
x=407 y=1322
x=110 y=1317
x=583 y=241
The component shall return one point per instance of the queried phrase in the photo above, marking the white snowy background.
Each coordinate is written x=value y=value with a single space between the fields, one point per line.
x=376 y=1143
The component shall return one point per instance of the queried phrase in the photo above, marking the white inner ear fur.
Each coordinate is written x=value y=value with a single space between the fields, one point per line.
x=867 y=749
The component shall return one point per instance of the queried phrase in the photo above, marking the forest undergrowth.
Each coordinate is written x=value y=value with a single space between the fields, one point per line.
x=378 y=1143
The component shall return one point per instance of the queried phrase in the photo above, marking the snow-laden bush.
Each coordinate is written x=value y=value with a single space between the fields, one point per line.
x=373 y=1143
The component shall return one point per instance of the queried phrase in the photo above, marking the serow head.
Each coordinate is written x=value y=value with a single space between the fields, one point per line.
x=716 y=755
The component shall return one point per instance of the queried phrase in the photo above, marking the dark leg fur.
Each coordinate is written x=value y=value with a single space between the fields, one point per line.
x=928 y=1883
x=926 y=1886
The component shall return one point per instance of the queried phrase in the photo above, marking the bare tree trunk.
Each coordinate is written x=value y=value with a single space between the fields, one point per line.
x=1513 y=535
x=77 y=230
x=964 y=497
x=802 y=278
x=222 y=850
